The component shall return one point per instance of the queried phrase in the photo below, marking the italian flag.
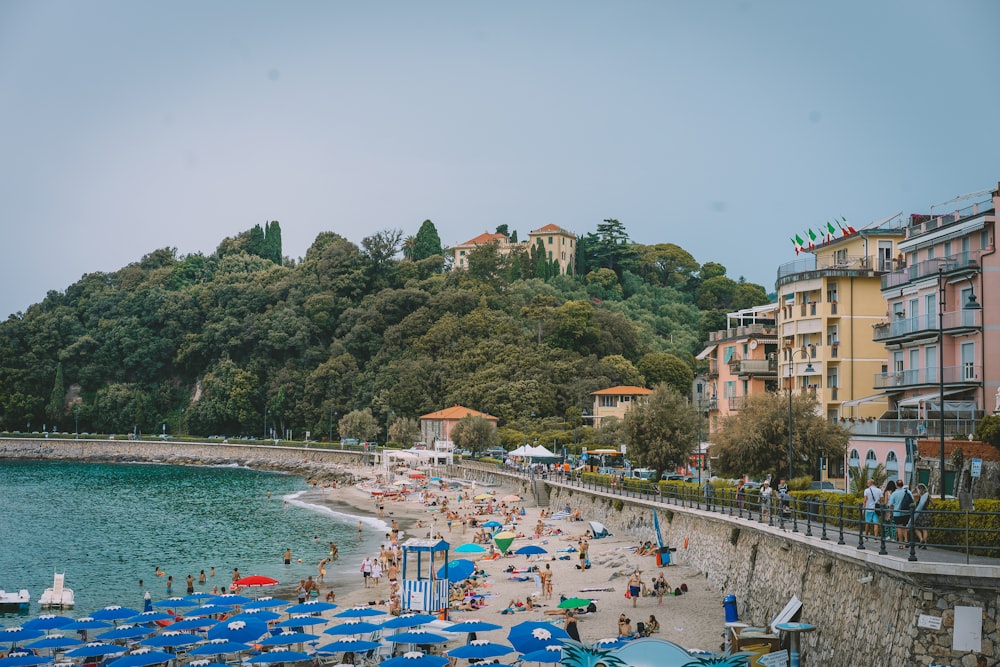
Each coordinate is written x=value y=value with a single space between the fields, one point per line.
x=830 y=231
x=812 y=239
x=798 y=243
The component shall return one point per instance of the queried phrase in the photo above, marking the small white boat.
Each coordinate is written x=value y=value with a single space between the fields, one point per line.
x=15 y=600
x=57 y=597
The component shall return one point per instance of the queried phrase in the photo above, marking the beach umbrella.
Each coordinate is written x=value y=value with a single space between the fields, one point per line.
x=265 y=615
x=209 y=610
x=85 y=623
x=125 y=632
x=457 y=570
x=199 y=597
x=573 y=603
x=310 y=607
x=551 y=653
x=288 y=638
x=492 y=524
x=352 y=628
x=265 y=603
x=279 y=656
x=347 y=645
x=302 y=621
x=142 y=657
x=512 y=498
x=469 y=548
x=480 y=649
x=17 y=634
x=47 y=622
x=175 y=602
x=415 y=659
x=54 y=641
x=171 y=638
x=530 y=550
x=534 y=635
x=610 y=643
x=408 y=621
x=95 y=650
x=230 y=600
x=193 y=624
x=239 y=630
x=206 y=663
x=24 y=659
x=219 y=647
x=503 y=540
x=255 y=581
x=151 y=617
x=483 y=496
x=360 y=612
x=114 y=613
x=416 y=637
x=473 y=626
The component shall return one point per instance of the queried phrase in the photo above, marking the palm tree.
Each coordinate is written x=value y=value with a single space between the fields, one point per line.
x=859 y=476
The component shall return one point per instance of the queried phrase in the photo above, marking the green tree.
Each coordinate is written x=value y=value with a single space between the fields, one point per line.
x=427 y=242
x=662 y=367
x=56 y=408
x=754 y=441
x=358 y=424
x=404 y=430
x=272 y=242
x=477 y=434
x=663 y=430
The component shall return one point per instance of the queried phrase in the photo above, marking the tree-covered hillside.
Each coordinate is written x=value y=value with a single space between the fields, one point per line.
x=210 y=344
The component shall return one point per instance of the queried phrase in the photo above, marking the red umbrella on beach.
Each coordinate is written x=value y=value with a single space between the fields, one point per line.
x=256 y=580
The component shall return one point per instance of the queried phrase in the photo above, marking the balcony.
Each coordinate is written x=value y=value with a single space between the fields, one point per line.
x=752 y=330
x=963 y=261
x=926 y=428
x=812 y=266
x=736 y=403
x=903 y=328
x=754 y=367
x=921 y=224
x=966 y=374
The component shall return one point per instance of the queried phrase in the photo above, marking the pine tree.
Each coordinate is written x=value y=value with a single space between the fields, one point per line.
x=427 y=242
x=272 y=239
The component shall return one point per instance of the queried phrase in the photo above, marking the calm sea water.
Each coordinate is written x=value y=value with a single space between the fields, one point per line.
x=108 y=526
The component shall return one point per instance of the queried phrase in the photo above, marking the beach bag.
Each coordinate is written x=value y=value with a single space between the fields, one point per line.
x=628 y=594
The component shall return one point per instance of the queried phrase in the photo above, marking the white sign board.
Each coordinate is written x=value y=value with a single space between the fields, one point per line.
x=968 y=629
x=929 y=622
x=976 y=467
x=779 y=659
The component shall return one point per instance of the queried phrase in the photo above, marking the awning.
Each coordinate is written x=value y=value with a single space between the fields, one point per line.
x=704 y=353
x=858 y=401
x=914 y=401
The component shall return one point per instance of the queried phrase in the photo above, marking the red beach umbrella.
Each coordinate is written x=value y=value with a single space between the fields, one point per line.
x=256 y=580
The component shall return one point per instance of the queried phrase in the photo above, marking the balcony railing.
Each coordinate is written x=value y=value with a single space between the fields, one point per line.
x=926 y=428
x=920 y=224
x=923 y=324
x=968 y=260
x=964 y=374
x=758 y=330
x=856 y=263
x=737 y=402
x=754 y=366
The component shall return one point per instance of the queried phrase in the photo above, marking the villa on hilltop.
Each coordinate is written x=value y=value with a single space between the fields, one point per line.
x=559 y=244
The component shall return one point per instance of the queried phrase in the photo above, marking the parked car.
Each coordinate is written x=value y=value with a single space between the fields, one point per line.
x=495 y=453
x=676 y=477
x=824 y=486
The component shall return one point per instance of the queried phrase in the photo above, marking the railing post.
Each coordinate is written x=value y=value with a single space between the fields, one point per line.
x=809 y=506
x=861 y=531
x=823 y=519
x=795 y=518
x=912 y=533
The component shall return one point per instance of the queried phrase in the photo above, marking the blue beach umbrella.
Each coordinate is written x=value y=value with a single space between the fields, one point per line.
x=361 y=612
x=416 y=637
x=458 y=570
x=151 y=617
x=85 y=623
x=302 y=621
x=114 y=613
x=193 y=624
x=265 y=603
x=142 y=657
x=199 y=597
x=24 y=659
x=47 y=622
x=53 y=641
x=311 y=607
x=264 y=615
x=534 y=636
x=175 y=602
x=552 y=653
x=206 y=663
x=347 y=645
x=95 y=650
x=18 y=634
x=231 y=600
x=220 y=647
x=480 y=649
x=125 y=632
x=492 y=524
x=279 y=656
x=415 y=659
x=473 y=626
x=288 y=638
x=171 y=639
x=407 y=621
x=469 y=548
x=530 y=550
x=208 y=610
x=610 y=643
x=352 y=628
x=238 y=631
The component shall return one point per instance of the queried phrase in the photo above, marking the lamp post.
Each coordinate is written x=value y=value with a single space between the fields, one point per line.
x=76 y=416
x=265 y=423
x=971 y=304
x=791 y=385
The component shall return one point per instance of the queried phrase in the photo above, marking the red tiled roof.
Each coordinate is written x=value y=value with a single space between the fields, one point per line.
x=485 y=237
x=551 y=228
x=456 y=412
x=623 y=390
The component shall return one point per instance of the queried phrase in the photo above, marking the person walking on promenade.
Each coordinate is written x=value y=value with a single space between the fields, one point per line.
x=872 y=498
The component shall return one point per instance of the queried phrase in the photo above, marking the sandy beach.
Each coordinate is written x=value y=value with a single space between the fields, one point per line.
x=694 y=619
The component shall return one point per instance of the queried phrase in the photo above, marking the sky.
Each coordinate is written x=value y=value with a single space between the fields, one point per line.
x=724 y=127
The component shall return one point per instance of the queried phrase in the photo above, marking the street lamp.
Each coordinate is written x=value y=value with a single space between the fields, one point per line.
x=971 y=304
x=76 y=415
x=809 y=370
x=265 y=423
x=698 y=451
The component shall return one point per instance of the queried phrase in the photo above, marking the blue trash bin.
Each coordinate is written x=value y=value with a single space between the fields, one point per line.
x=729 y=603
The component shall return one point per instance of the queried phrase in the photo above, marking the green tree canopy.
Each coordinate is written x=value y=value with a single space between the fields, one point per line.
x=662 y=431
